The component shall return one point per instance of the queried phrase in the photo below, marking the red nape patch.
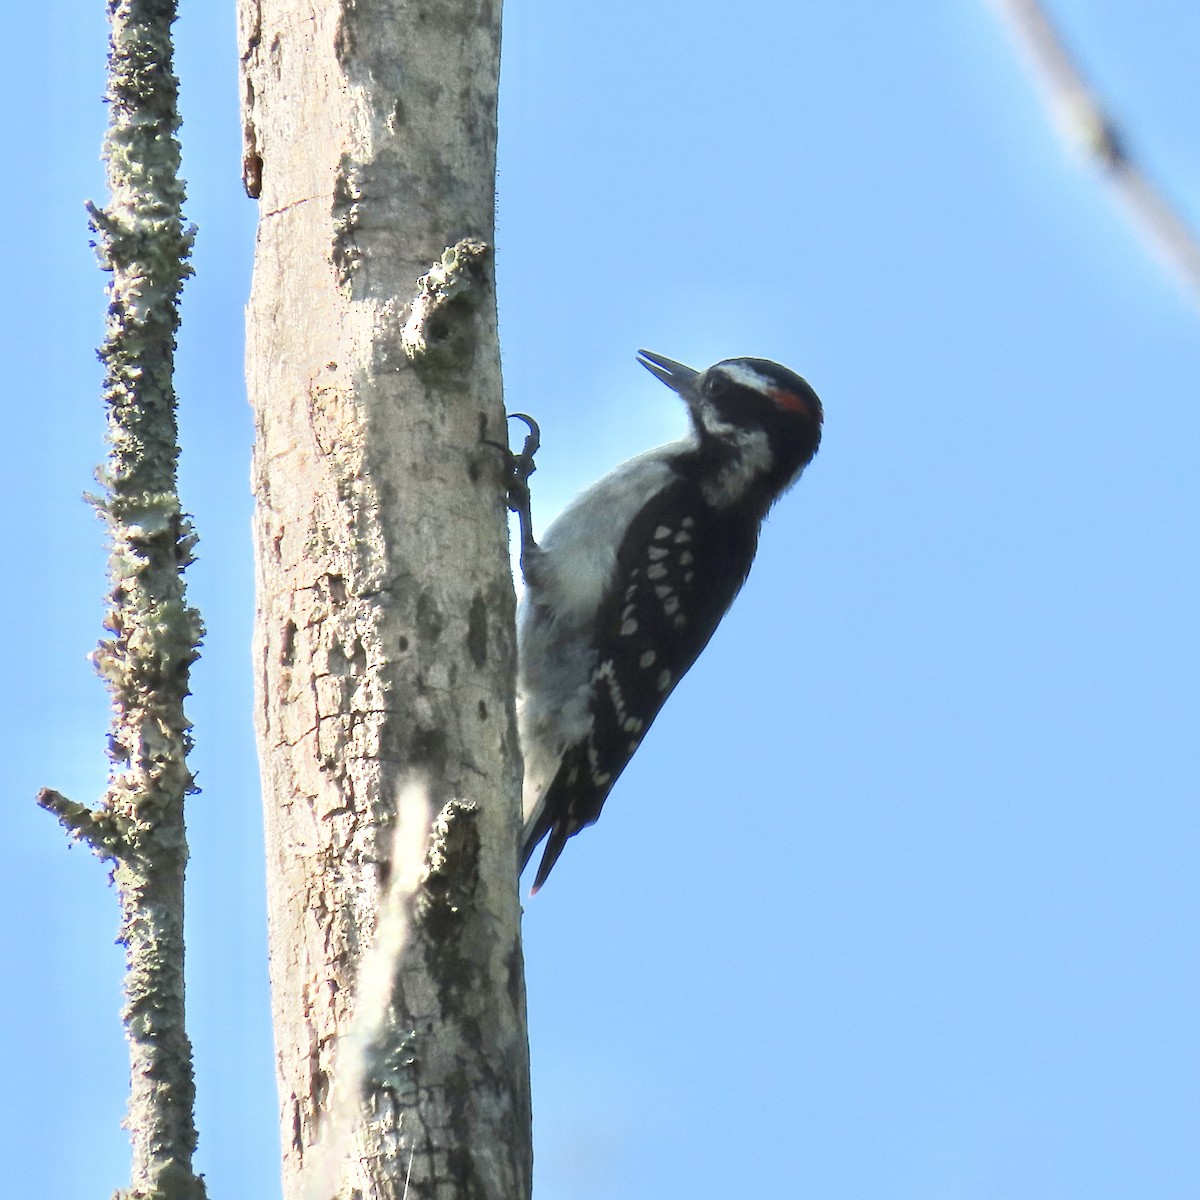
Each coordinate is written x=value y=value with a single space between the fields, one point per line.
x=789 y=401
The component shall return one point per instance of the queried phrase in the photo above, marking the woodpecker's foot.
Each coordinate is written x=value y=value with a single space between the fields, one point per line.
x=520 y=467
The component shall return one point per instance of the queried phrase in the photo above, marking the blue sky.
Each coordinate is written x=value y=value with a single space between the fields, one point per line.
x=899 y=898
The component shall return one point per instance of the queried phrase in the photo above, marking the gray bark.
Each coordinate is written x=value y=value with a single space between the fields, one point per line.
x=385 y=636
x=139 y=824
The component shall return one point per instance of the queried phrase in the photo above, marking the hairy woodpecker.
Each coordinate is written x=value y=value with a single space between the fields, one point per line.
x=629 y=583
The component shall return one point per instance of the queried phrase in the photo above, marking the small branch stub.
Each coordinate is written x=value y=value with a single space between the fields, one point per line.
x=434 y=331
x=95 y=827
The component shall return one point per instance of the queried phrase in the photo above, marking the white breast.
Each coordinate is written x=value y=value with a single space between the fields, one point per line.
x=568 y=578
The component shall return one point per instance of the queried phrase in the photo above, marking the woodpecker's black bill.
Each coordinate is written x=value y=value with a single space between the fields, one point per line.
x=674 y=374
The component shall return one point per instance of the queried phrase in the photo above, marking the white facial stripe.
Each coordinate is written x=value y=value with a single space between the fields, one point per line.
x=747 y=377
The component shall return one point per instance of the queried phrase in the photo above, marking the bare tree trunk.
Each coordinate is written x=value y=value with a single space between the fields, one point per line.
x=385 y=640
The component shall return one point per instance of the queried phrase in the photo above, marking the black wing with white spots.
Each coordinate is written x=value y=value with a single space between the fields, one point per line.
x=654 y=622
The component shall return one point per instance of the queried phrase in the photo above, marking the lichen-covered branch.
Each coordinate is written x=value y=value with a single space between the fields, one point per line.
x=153 y=634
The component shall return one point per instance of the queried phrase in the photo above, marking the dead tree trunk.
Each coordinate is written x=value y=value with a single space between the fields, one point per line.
x=385 y=646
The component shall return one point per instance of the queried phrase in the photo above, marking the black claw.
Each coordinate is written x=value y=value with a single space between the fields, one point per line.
x=520 y=467
x=522 y=464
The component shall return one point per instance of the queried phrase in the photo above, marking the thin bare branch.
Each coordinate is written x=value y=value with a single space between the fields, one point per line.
x=1085 y=124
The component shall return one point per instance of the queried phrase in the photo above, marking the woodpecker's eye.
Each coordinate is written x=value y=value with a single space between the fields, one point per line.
x=716 y=386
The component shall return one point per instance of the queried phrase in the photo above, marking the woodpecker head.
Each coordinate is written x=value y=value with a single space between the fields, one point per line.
x=762 y=420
